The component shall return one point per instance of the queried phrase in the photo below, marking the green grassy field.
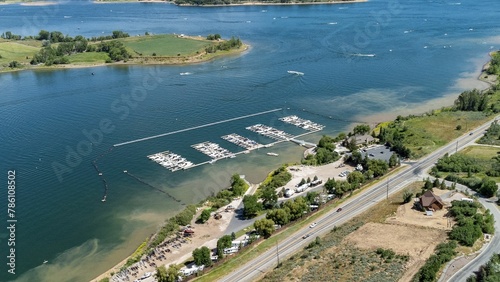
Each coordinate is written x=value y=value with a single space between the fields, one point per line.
x=164 y=45
x=13 y=51
x=481 y=152
x=424 y=134
x=88 y=58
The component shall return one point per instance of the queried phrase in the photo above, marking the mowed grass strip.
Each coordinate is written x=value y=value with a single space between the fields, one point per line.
x=165 y=45
x=88 y=58
x=13 y=51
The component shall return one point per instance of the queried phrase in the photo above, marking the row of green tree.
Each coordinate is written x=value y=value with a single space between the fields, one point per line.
x=266 y=196
x=489 y=272
x=444 y=253
x=57 y=36
x=494 y=67
x=470 y=225
x=324 y=152
x=459 y=163
x=238 y=187
x=233 y=43
x=492 y=135
x=49 y=55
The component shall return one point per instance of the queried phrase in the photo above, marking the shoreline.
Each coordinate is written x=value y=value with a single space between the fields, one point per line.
x=478 y=77
x=141 y=61
x=251 y=3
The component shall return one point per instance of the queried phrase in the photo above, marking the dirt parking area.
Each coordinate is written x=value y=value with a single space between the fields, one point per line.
x=323 y=172
x=416 y=242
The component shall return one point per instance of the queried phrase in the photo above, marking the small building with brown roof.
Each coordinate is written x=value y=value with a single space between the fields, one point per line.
x=430 y=201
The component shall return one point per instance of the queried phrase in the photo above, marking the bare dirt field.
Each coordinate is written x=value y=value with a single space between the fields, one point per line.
x=416 y=242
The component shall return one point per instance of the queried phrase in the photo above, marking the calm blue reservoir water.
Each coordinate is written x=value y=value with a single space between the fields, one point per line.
x=362 y=62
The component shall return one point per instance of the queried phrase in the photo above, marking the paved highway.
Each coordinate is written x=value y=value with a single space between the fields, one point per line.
x=352 y=207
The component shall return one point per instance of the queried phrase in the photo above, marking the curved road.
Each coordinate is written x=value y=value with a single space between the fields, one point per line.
x=352 y=207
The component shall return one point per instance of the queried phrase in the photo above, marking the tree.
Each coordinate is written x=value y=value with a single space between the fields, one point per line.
x=223 y=243
x=238 y=185
x=14 y=64
x=201 y=256
x=302 y=182
x=330 y=185
x=43 y=35
x=167 y=275
x=315 y=178
x=250 y=206
x=279 y=216
x=269 y=197
x=428 y=184
x=436 y=183
x=356 y=178
x=352 y=144
x=378 y=167
x=488 y=187
x=393 y=160
x=312 y=197
x=265 y=227
x=296 y=208
x=205 y=215
x=361 y=129
x=407 y=196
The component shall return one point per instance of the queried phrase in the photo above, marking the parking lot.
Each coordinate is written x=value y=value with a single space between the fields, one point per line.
x=380 y=152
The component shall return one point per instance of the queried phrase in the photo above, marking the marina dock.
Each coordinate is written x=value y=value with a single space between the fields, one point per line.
x=170 y=161
x=302 y=123
x=270 y=132
x=241 y=141
x=213 y=150
x=175 y=162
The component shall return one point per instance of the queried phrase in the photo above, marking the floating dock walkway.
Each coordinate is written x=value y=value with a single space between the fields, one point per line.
x=302 y=123
x=270 y=132
x=213 y=150
x=170 y=161
x=241 y=141
x=175 y=162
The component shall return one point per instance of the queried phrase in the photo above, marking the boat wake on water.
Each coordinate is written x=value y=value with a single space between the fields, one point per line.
x=295 y=72
x=363 y=55
x=185 y=73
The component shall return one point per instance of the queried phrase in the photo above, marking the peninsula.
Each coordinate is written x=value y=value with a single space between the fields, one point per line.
x=55 y=50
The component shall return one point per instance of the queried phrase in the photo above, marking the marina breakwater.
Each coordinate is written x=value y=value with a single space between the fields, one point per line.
x=215 y=152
